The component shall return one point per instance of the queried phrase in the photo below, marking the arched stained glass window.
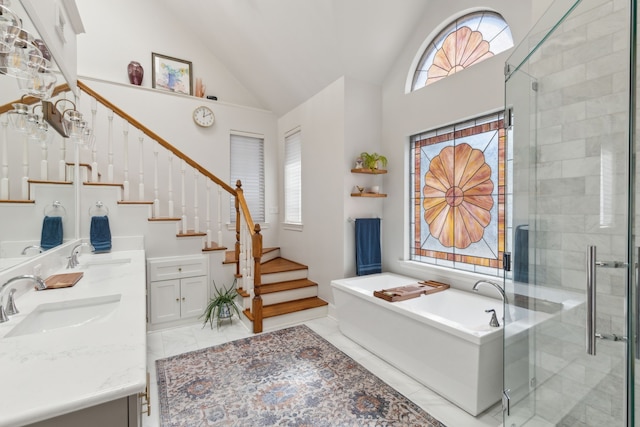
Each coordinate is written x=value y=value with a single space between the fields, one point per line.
x=468 y=40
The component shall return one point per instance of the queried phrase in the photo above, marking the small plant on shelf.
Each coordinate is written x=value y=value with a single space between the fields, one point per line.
x=221 y=305
x=371 y=161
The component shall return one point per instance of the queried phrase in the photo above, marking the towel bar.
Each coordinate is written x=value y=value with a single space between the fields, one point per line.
x=55 y=209
x=98 y=209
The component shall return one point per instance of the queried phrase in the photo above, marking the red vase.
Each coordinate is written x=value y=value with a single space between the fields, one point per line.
x=136 y=73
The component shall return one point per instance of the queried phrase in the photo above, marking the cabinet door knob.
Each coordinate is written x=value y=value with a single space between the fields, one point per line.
x=183 y=298
x=177 y=299
x=179 y=268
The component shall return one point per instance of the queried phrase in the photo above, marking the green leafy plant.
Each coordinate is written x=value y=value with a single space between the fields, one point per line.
x=370 y=161
x=220 y=306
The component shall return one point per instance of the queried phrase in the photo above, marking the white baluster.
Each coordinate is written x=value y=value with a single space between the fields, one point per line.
x=110 y=148
x=184 y=201
x=208 y=204
x=219 y=203
x=25 y=168
x=94 y=150
x=241 y=258
x=249 y=256
x=141 y=168
x=62 y=163
x=125 y=167
x=170 y=186
x=44 y=163
x=196 y=218
x=156 y=200
x=4 y=182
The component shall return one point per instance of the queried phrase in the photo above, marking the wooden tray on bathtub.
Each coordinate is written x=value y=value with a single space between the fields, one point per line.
x=402 y=293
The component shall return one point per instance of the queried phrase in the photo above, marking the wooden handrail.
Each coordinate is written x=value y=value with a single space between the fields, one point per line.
x=142 y=128
x=30 y=100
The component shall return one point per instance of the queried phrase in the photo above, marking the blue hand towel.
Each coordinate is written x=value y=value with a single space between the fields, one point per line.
x=368 y=254
x=51 y=232
x=100 y=234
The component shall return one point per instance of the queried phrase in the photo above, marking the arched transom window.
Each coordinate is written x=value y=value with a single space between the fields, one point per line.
x=468 y=40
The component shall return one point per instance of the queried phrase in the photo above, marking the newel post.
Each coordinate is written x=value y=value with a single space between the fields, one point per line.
x=237 y=246
x=256 y=308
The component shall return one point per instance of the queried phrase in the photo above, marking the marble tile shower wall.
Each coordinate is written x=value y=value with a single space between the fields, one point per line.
x=580 y=199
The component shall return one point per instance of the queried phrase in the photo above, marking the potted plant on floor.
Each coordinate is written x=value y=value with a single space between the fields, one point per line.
x=222 y=305
x=371 y=161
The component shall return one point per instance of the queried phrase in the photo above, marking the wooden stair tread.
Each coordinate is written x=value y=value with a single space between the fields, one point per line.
x=243 y=293
x=214 y=247
x=42 y=181
x=17 y=201
x=103 y=184
x=279 y=265
x=292 y=306
x=267 y=250
x=135 y=202
x=84 y=165
x=230 y=256
x=287 y=307
x=163 y=219
x=286 y=286
x=191 y=233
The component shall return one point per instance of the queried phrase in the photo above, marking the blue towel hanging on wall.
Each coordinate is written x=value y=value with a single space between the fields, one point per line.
x=51 y=232
x=368 y=253
x=100 y=234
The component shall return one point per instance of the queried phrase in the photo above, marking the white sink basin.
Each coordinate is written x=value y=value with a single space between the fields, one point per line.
x=65 y=314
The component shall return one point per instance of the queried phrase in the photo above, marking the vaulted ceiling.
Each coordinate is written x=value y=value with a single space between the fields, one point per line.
x=285 y=51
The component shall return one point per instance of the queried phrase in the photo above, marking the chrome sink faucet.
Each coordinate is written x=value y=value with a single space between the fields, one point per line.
x=73 y=259
x=11 y=306
x=505 y=316
x=24 y=251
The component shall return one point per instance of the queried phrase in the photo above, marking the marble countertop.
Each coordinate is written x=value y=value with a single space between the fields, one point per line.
x=63 y=370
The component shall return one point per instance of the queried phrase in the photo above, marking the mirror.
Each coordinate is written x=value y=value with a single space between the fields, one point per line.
x=47 y=198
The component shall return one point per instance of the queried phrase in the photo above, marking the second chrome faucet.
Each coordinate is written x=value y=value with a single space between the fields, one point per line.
x=73 y=258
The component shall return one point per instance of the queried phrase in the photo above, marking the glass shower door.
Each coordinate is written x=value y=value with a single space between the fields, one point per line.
x=568 y=311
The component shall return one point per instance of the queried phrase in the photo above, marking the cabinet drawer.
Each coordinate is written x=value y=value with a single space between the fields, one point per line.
x=176 y=267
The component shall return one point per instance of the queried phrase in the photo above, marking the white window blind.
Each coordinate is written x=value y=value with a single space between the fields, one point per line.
x=293 y=178
x=247 y=165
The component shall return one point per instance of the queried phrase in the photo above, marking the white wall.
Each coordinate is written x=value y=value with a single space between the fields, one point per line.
x=363 y=125
x=120 y=31
x=322 y=124
x=477 y=90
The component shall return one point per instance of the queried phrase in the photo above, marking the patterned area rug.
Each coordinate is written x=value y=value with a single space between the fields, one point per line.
x=290 y=377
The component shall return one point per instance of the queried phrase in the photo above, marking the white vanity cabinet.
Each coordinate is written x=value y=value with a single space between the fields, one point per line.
x=178 y=288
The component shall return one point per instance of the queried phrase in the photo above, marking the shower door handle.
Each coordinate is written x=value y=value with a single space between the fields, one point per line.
x=591 y=300
x=633 y=335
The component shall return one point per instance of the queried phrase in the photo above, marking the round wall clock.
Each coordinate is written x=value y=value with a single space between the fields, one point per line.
x=203 y=116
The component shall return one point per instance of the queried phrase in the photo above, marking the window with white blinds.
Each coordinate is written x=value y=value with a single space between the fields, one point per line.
x=293 y=178
x=247 y=165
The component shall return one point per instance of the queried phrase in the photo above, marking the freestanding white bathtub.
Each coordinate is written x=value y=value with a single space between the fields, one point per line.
x=442 y=340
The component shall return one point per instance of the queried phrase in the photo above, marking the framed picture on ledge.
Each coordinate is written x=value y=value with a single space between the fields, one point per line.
x=171 y=74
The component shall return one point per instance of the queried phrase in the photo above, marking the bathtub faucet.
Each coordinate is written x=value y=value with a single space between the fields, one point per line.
x=505 y=317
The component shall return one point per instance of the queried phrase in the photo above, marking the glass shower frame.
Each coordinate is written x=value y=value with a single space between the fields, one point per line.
x=571 y=306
